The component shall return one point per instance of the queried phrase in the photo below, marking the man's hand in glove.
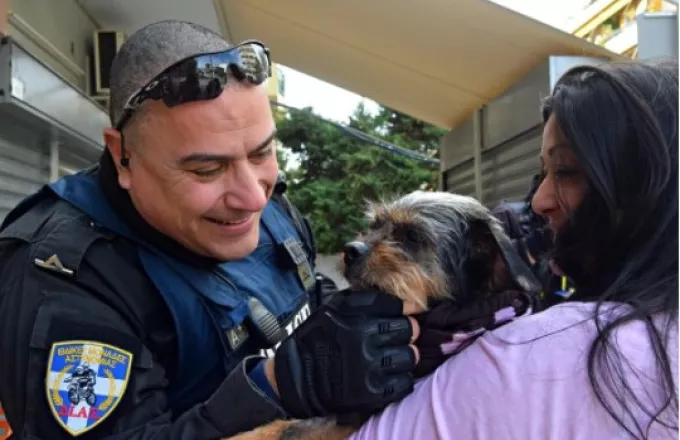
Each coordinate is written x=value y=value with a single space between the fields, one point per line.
x=353 y=356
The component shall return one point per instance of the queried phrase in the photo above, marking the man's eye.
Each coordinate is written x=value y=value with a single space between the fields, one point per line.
x=263 y=153
x=211 y=172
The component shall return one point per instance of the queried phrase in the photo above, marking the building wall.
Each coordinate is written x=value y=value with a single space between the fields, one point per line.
x=57 y=32
x=613 y=24
x=50 y=67
x=509 y=134
x=273 y=84
x=3 y=16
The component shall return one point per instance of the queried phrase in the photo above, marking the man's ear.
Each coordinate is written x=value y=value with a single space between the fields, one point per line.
x=114 y=143
x=493 y=257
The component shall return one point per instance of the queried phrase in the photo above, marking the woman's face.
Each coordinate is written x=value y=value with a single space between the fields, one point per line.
x=564 y=182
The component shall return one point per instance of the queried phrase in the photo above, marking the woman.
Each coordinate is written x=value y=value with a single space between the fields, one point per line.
x=602 y=365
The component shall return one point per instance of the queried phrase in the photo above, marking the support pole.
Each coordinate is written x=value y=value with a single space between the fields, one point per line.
x=54 y=159
x=477 y=153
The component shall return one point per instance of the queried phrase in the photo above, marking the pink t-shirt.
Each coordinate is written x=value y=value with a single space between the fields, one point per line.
x=506 y=386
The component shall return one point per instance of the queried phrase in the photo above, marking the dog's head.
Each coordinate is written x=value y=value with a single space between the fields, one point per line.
x=434 y=245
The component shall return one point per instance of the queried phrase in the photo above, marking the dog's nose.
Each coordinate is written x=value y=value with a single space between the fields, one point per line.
x=354 y=250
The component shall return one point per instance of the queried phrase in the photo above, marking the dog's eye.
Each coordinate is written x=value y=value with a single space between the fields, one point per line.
x=412 y=237
x=409 y=237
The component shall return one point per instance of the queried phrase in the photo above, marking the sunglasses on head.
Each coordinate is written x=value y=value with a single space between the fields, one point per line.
x=203 y=77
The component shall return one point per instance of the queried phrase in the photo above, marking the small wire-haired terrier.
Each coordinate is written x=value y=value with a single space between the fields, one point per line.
x=429 y=246
x=426 y=248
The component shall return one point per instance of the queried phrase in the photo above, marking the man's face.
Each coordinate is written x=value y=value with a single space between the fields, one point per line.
x=202 y=172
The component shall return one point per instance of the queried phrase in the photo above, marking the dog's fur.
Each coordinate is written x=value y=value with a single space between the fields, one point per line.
x=422 y=247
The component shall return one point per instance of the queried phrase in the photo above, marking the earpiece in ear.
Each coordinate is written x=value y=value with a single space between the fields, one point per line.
x=124 y=161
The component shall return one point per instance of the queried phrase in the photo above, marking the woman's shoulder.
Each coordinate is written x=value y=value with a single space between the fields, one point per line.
x=537 y=349
x=577 y=324
x=528 y=379
x=571 y=317
x=560 y=338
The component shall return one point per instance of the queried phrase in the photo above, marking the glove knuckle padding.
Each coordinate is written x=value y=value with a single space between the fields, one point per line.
x=370 y=303
x=341 y=360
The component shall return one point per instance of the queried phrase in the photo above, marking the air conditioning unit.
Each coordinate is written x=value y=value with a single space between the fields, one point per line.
x=105 y=47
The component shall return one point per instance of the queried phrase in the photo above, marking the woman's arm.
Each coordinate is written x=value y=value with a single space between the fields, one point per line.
x=525 y=381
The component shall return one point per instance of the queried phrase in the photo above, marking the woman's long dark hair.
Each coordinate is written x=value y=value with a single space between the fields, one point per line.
x=621 y=244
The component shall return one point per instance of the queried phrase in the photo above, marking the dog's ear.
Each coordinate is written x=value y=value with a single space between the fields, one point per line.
x=493 y=257
x=517 y=267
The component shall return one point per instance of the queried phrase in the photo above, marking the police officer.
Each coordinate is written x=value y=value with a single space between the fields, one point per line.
x=171 y=265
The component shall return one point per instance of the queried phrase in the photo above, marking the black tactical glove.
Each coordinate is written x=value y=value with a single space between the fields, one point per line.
x=350 y=357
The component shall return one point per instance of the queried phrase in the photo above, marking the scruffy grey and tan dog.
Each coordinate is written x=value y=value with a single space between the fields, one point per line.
x=423 y=247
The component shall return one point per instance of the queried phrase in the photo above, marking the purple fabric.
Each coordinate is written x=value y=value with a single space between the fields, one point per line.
x=504 y=315
x=526 y=380
x=458 y=339
x=450 y=327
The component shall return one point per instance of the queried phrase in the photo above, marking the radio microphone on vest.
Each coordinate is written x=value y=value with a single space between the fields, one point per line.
x=263 y=323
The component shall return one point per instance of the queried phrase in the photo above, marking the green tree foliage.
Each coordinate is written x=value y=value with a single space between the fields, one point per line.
x=338 y=174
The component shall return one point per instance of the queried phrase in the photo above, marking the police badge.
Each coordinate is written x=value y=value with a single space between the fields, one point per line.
x=298 y=256
x=85 y=382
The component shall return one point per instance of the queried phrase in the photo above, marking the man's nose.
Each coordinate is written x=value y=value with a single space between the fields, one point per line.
x=354 y=251
x=247 y=192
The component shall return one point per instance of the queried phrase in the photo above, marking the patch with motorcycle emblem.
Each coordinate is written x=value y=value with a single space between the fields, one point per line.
x=85 y=382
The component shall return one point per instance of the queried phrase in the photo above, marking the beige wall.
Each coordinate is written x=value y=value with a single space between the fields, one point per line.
x=272 y=84
x=3 y=16
x=58 y=32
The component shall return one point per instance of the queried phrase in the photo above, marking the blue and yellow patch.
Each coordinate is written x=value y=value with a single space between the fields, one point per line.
x=85 y=382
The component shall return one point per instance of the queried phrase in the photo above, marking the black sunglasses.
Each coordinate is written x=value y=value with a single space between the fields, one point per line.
x=203 y=77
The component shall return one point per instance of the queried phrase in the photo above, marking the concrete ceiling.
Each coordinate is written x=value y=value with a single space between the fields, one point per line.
x=436 y=60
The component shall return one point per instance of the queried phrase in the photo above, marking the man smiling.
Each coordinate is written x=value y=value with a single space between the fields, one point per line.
x=202 y=173
x=174 y=262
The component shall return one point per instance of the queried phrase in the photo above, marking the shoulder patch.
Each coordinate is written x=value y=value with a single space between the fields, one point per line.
x=85 y=382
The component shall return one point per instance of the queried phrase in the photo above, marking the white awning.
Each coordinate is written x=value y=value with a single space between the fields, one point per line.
x=436 y=60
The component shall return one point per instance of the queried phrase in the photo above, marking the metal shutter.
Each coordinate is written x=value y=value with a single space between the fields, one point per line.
x=71 y=162
x=461 y=179
x=507 y=170
x=24 y=165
